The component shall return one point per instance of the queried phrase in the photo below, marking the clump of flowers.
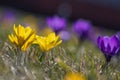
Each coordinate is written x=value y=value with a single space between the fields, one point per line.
x=82 y=28
x=109 y=46
x=74 y=76
x=56 y=23
x=23 y=37
x=49 y=42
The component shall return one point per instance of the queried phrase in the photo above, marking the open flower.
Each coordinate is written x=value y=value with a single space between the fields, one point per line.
x=56 y=23
x=49 y=42
x=109 y=46
x=23 y=37
x=82 y=28
x=74 y=76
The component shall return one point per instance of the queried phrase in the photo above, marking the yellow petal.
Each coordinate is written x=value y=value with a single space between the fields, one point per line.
x=15 y=30
x=13 y=39
x=42 y=43
x=58 y=43
x=21 y=31
x=28 y=42
x=74 y=76
x=28 y=32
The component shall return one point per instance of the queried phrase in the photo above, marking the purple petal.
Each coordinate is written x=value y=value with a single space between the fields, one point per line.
x=65 y=35
x=106 y=40
x=117 y=50
x=118 y=36
x=48 y=20
x=113 y=42
x=102 y=46
x=56 y=23
x=108 y=49
x=99 y=40
x=82 y=28
x=114 y=51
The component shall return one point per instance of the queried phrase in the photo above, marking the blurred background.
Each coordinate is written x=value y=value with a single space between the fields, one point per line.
x=79 y=23
x=105 y=13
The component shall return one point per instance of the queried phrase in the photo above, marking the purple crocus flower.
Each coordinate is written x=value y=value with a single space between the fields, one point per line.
x=9 y=16
x=64 y=35
x=82 y=28
x=109 y=46
x=56 y=23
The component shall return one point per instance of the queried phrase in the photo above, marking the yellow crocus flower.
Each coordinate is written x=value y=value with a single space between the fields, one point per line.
x=49 y=42
x=23 y=37
x=74 y=76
